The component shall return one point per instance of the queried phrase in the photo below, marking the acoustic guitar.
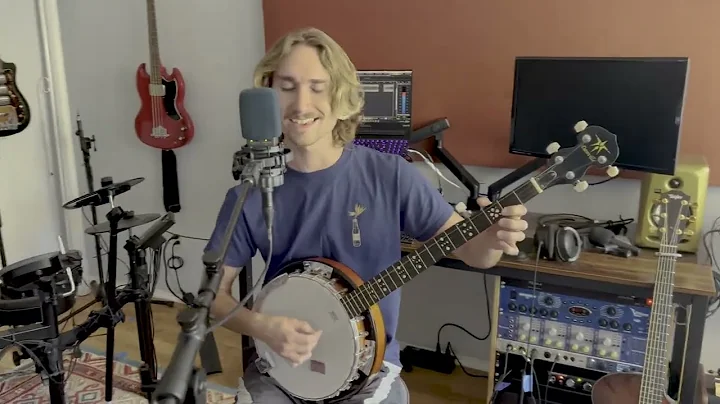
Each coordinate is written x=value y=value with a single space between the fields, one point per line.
x=14 y=108
x=162 y=121
x=331 y=297
x=650 y=387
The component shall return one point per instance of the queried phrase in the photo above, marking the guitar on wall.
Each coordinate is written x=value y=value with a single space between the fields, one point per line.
x=650 y=387
x=14 y=108
x=331 y=297
x=162 y=122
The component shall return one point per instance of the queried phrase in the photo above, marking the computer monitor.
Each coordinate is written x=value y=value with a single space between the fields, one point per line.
x=638 y=99
x=387 y=116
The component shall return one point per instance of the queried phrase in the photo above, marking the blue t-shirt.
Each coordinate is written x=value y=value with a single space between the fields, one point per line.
x=352 y=212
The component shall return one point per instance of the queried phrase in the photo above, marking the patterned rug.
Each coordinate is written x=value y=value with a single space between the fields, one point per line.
x=86 y=384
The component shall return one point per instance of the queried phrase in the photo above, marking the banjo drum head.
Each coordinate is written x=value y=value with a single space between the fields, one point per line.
x=334 y=360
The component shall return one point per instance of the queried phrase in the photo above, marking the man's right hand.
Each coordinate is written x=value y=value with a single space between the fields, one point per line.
x=292 y=339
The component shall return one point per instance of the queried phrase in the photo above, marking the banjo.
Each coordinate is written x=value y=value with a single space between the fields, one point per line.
x=331 y=297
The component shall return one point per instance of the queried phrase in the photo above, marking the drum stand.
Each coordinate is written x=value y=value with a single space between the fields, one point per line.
x=85 y=144
x=36 y=328
x=51 y=359
x=139 y=282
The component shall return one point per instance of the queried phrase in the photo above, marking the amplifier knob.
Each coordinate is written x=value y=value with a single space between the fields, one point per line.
x=549 y=301
x=614 y=355
x=602 y=352
x=611 y=311
x=523 y=337
x=614 y=324
x=523 y=308
x=570 y=383
x=552 y=331
x=586 y=349
x=512 y=306
x=543 y=312
x=548 y=341
x=603 y=322
x=607 y=342
x=560 y=345
x=533 y=339
x=553 y=313
x=526 y=326
x=627 y=326
x=580 y=336
x=574 y=347
x=587 y=386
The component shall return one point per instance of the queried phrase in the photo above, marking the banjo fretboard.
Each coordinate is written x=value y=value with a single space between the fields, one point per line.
x=435 y=249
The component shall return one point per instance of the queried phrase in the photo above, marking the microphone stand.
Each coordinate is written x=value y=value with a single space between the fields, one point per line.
x=3 y=258
x=263 y=165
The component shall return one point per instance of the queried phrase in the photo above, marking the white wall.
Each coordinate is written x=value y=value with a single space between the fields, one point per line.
x=216 y=48
x=443 y=295
x=32 y=183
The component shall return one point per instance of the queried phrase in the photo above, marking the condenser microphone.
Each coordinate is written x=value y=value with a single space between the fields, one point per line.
x=263 y=159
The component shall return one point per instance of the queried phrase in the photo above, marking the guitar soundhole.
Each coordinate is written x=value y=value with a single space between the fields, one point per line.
x=317 y=366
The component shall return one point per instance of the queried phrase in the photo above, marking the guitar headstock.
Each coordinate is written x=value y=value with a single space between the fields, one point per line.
x=674 y=216
x=596 y=147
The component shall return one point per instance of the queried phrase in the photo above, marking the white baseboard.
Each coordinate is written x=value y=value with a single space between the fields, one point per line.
x=468 y=362
x=160 y=293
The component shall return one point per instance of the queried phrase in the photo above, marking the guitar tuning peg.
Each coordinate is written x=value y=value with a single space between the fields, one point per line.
x=692 y=219
x=580 y=126
x=552 y=148
x=688 y=232
x=612 y=171
x=580 y=186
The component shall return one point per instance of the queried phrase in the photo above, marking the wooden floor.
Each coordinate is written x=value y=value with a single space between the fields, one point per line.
x=425 y=387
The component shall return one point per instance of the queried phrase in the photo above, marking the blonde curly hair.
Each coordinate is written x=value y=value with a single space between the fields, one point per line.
x=347 y=99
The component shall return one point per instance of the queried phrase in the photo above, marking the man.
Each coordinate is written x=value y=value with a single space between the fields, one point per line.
x=339 y=201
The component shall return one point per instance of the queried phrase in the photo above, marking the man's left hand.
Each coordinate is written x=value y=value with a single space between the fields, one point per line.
x=508 y=231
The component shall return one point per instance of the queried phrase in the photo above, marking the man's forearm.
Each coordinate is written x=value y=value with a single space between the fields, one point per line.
x=244 y=321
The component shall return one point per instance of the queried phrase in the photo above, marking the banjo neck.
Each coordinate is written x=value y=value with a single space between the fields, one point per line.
x=433 y=250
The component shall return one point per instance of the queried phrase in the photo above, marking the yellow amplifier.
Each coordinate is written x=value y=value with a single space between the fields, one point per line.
x=692 y=175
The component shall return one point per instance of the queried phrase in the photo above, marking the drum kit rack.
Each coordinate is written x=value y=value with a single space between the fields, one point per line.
x=36 y=290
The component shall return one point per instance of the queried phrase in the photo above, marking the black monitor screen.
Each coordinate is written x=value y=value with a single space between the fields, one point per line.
x=638 y=99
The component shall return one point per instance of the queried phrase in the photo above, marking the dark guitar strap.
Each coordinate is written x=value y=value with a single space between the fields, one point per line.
x=171 y=189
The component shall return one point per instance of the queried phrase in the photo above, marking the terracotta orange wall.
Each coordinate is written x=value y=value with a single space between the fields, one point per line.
x=462 y=53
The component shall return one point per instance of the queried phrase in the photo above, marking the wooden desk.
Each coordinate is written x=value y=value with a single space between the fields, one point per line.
x=694 y=286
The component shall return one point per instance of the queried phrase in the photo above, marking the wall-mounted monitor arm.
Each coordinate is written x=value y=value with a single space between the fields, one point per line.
x=436 y=129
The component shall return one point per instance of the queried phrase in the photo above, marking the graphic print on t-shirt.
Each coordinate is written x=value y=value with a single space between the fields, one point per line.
x=356 y=238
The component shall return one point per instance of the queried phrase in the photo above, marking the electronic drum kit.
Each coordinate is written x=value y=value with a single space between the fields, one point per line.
x=36 y=290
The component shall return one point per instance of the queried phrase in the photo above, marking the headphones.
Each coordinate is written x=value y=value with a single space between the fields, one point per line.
x=558 y=243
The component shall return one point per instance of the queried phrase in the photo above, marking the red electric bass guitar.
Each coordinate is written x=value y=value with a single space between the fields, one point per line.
x=162 y=122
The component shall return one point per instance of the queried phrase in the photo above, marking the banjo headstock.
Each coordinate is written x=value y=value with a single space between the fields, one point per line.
x=596 y=147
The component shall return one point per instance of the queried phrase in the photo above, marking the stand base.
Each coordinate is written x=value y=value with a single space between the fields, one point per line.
x=209 y=355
